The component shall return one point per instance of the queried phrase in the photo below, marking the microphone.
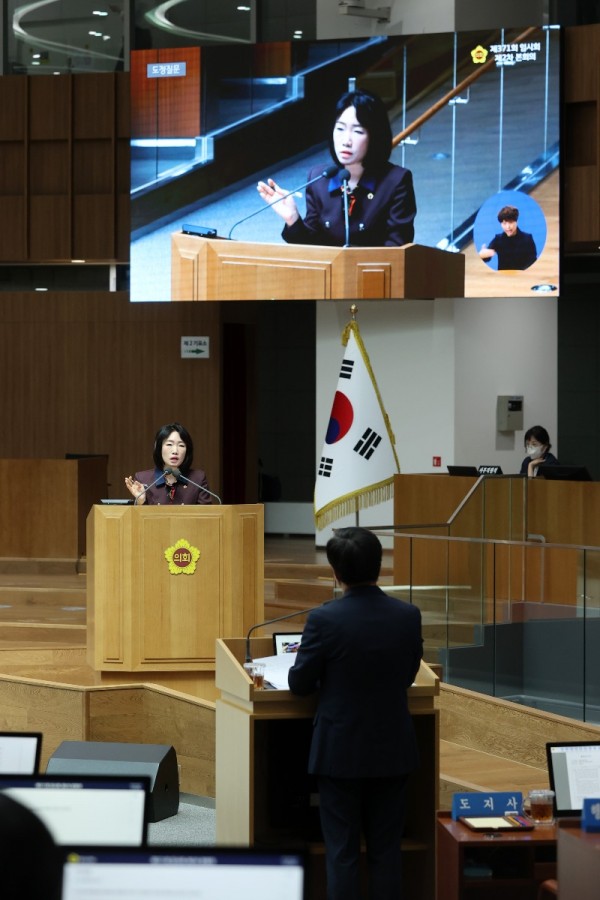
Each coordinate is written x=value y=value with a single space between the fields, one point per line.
x=173 y=470
x=147 y=488
x=299 y=612
x=345 y=175
x=329 y=172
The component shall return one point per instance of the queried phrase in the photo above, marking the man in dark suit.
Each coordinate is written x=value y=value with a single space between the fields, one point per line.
x=362 y=652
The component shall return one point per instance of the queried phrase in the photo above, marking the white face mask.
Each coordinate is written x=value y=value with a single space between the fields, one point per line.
x=534 y=452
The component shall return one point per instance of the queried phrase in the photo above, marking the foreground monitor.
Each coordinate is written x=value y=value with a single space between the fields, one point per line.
x=20 y=752
x=85 y=810
x=181 y=873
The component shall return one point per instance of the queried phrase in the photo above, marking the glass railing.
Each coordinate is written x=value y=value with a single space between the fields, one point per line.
x=505 y=612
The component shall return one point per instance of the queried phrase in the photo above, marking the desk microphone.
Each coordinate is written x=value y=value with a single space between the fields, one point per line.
x=329 y=172
x=173 y=470
x=299 y=612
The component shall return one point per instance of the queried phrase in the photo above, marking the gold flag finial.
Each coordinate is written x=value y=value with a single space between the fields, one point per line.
x=353 y=311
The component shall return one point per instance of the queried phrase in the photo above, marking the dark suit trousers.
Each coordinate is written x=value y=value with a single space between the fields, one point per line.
x=374 y=807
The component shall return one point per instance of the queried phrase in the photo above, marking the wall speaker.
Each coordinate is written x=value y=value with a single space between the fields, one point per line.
x=158 y=761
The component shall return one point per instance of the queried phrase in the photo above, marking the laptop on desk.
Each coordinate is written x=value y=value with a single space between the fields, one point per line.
x=20 y=752
x=180 y=873
x=86 y=810
x=574 y=774
x=463 y=470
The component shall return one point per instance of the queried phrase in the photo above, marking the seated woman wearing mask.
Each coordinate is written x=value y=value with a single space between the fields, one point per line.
x=537 y=447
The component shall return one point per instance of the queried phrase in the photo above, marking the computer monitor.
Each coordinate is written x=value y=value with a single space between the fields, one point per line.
x=183 y=872
x=20 y=752
x=463 y=470
x=81 y=810
x=565 y=473
x=574 y=773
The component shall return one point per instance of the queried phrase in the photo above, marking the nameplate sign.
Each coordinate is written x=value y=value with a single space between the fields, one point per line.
x=496 y=803
x=590 y=814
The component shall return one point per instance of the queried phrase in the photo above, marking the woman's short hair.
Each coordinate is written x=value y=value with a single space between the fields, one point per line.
x=355 y=555
x=162 y=434
x=539 y=434
x=372 y=115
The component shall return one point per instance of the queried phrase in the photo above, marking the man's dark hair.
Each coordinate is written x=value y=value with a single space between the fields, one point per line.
x=162 y=434
x=355 y=554
x=508 y=214
x=372 y=115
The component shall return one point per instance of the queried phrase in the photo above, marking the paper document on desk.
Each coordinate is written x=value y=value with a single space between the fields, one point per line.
x=277 y=668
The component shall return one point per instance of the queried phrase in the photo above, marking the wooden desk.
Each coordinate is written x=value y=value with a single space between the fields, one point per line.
x=578 y=863
x=45 y=503
x=473 y=865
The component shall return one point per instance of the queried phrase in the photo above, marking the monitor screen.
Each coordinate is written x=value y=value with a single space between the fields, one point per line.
x=20 y=752
x=574 y=772
x=565 y=473
x=182 y=873
x=474 y=119
x=86 y=810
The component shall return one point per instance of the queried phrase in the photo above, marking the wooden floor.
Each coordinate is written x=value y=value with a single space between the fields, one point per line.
x=43 y=632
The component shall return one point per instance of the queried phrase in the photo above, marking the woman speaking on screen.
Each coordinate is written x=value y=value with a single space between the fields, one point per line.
x=379 y=206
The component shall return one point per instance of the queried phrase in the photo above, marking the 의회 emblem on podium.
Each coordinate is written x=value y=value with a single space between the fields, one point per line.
x=182 y=558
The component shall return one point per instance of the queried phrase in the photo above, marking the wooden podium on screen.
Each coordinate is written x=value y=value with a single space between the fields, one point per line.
x=165 y=582
x=263 y=793
x=215 y=269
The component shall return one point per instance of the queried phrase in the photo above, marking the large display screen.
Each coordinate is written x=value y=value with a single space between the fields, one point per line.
x=475 y=121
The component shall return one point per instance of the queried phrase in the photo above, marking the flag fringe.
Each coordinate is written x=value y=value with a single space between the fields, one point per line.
x=351 y=503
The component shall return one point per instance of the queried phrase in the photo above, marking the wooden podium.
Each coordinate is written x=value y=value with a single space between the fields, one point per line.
x=165 y=582
x=264 y=795
x=214 y=269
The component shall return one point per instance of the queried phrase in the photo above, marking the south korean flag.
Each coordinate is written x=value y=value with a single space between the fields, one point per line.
x=358 y=462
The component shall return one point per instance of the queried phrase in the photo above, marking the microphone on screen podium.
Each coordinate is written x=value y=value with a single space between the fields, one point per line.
x=299 y=612
x=173 y=470
x=345 y=176
x=329 y=172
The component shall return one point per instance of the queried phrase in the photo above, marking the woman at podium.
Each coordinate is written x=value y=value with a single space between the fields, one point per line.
x=172 y=480
x=369 y=202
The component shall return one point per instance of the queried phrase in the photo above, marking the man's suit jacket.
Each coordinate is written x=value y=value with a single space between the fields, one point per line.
x=186 y=494
x=362 y=651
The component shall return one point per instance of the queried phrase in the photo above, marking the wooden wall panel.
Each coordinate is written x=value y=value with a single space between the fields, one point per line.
x=49 y=108
x=64 y=168
x=13 y=108
x=581 y=80
x=93 y=373
x=165 y=107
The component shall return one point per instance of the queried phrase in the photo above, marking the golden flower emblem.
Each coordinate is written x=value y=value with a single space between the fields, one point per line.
x=182 y=558
x=479 y=55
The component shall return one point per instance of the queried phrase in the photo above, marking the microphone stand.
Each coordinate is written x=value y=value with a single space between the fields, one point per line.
x=171 y=470
x=299 y=612
x=146 y=489
x=345 y=189
x=326 y=173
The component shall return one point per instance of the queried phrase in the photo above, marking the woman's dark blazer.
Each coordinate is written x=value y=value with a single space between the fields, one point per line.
x=383 y=212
